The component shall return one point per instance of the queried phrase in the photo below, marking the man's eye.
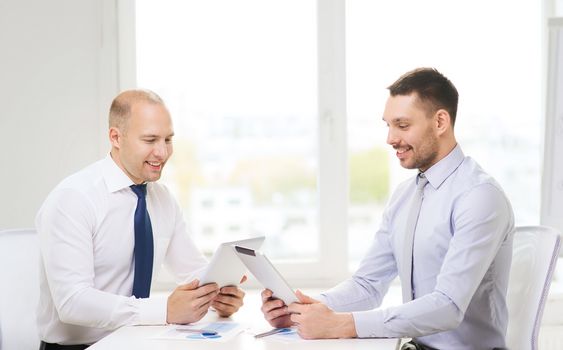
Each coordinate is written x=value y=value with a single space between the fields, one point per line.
x=403 y=126
x=168 y=140
x=149 y=140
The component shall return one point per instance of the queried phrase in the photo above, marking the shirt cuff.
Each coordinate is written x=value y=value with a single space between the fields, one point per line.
x=369 y=324
x=322 y=298
x=152 y=310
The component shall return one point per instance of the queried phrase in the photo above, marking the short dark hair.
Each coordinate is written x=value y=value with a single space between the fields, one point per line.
x=432 y=88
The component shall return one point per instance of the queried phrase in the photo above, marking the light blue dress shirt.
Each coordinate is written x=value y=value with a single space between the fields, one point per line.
x=462 y=254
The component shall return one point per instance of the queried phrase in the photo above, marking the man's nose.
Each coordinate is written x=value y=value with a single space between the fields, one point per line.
x=161 y=150
x=391 y=138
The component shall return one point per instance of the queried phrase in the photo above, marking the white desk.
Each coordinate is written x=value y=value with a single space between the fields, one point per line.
x=141 y=337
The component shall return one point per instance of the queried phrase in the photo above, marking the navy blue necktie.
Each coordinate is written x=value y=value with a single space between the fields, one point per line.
x=144 y=246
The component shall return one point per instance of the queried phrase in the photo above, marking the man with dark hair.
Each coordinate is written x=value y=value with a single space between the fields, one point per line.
x=434 y=90
x=447 y=233
x=104 y=230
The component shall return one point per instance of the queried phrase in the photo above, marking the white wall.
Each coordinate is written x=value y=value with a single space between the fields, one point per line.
x=57 y=77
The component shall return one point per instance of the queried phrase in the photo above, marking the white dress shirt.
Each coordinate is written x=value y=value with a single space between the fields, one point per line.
x=86 y=233
x=462 y=254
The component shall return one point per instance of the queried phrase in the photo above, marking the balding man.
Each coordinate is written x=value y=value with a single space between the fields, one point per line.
x=104 y=230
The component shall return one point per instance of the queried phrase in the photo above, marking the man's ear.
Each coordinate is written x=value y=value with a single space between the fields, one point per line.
x=443 y=121
x=114 y=137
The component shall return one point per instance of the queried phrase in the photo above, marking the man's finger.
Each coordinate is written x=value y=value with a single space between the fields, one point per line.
x=232 y=290
x=203 y=302
x=296 y=308
x=206 y=289
x=200 y=301
x=267 y=307
x=276 y=313
x=189 y=286
x=221 y=306
x=272 y=305
x=305 y=299
x=228 y=299
x=266 y=294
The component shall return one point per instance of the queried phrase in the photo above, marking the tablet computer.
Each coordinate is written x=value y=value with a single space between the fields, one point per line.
x=225 y=268
x=266 y=274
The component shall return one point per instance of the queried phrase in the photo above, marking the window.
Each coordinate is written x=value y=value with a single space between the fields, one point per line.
x=493 y=59
x=277 y=109
x=240 y=80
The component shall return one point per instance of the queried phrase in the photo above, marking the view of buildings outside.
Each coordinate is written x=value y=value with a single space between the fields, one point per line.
x=241 y=87
x=240 y=80
x=246 y=176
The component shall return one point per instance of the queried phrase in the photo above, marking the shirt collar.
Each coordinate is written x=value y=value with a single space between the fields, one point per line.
x=440 y=171
x=114 y=177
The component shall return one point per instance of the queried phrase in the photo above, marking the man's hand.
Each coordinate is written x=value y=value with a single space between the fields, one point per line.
x=275 y=311
x=229 y=300
x=315 y=320
x=188 y=303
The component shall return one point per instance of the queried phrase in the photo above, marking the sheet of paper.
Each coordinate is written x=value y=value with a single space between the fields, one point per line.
x=225 y=331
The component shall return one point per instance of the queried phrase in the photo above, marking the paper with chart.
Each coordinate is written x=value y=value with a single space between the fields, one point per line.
x=203 y=331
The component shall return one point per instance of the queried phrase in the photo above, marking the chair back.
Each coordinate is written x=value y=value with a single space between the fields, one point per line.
x=19 y=289
x=535 y=252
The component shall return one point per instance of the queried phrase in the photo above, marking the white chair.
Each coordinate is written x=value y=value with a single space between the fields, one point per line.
x=19 y=289
x=534 y=258
x=551 y=331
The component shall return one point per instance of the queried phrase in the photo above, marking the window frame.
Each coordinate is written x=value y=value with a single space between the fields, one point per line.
x=332 y=263
x=552 y=177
